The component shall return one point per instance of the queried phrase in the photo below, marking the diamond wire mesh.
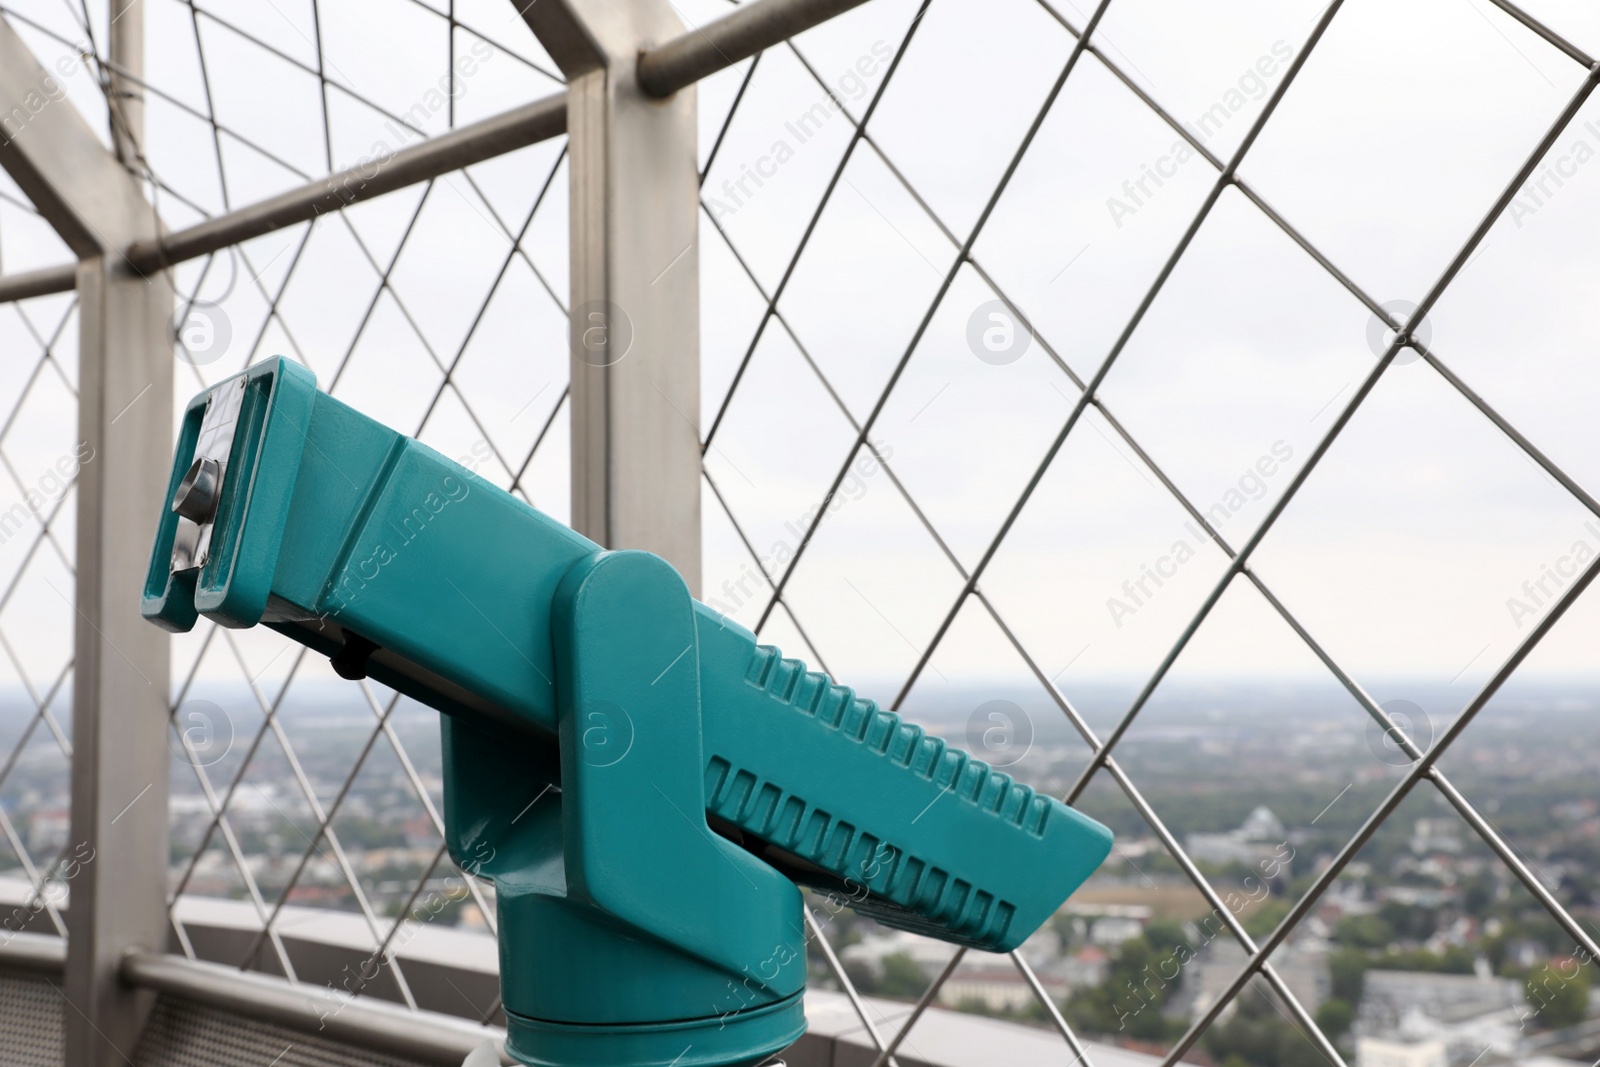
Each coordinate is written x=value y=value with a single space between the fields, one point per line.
x=36 y=575
x=776 y=579
x=426 y=347
x=430 y=351
x=249 y=778
x=35 y=612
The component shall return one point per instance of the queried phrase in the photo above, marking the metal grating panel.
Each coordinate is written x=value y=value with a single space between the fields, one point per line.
x=30 y=1021
x=181 y=1034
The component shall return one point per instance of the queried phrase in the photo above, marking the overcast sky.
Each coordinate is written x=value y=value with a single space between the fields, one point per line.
x=1405 y=553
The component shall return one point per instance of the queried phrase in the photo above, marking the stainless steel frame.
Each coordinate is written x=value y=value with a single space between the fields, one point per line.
x=635 y=303
x=638 y=438
x=42 y=282
x=119 y=784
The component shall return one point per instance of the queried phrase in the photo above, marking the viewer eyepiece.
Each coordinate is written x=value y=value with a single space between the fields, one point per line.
x=196 y=498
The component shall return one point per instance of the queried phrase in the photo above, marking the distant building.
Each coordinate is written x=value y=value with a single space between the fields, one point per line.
x=1262 y=825
x=1112 y=930
x=982 y=977
x=1390 y=995
x=47 y=831
x=1417 y=896
x=1090 y=910
x=995 y=982
x=927 y=953
x=1086 y=967
x=1377 y=1052
x=1469 y=1014
x=1107 y=924
x=1302 y=964
x=1042 y=948
x=1435 y=835
x=1257 y=841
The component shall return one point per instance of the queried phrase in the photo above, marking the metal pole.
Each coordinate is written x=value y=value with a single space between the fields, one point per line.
x=635 y=306
x=118 y=844
x=462 y=147
x=702 y=52
x=120 y=683
x=120 y=670
x=126 y=92
x=40 y=282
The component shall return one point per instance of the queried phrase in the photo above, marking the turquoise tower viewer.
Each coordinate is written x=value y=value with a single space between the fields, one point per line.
x=645 y=784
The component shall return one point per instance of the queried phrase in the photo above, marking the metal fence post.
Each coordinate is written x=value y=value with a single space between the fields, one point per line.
x=120 y=709
x=116 y=858
x=126 y=52
x=635 y=302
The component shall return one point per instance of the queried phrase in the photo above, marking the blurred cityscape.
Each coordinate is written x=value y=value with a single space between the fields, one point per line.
x=1425 y=952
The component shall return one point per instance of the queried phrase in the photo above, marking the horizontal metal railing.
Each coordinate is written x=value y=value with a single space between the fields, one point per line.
x=662 y=71
x=835 y=1035
x=362 y=1021
x=324 y=1011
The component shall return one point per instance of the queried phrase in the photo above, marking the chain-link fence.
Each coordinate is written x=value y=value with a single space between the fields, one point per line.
x=1056 y=364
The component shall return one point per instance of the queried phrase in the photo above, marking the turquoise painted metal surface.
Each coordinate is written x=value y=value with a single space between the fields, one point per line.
x=644 y=783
